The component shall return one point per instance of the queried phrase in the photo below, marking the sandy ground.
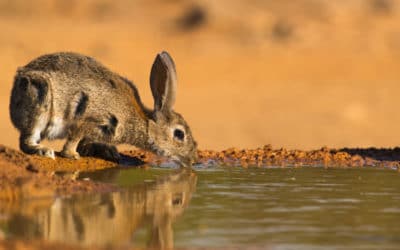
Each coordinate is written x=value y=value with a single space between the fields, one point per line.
x=294 y=74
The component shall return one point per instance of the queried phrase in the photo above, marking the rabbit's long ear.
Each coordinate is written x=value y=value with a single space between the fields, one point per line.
x=163 y=82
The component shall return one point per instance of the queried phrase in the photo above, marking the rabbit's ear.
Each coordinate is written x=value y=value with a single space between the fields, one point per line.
x=163 y=82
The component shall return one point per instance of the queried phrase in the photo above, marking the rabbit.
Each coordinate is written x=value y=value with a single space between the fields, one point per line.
x=70 y=96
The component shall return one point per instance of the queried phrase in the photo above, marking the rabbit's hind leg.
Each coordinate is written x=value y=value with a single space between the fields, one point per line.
x=29 y=107
x=29 y=142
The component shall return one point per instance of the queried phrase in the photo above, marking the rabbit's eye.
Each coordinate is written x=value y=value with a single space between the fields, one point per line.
x=179 y=134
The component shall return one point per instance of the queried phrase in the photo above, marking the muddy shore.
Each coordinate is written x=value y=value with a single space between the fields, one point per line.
x=26 y=176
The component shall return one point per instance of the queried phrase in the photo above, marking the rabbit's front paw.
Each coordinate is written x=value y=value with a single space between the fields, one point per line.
x=48 y=152
x=70 y=155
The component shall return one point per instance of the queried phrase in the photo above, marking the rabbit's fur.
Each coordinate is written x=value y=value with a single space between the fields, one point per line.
x=72 y=96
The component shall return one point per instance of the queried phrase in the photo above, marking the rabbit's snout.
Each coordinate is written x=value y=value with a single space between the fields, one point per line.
x=189 y=160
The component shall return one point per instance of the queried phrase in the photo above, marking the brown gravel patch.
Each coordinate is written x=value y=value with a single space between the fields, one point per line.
x=323 y=157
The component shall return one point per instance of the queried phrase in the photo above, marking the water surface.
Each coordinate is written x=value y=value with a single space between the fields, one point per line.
x=274 y=208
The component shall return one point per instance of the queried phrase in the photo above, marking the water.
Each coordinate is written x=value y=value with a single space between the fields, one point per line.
x=278 y=208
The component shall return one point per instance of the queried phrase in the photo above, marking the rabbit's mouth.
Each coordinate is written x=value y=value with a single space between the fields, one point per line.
x=167 y=154
x=183 y=161
x=179 y=161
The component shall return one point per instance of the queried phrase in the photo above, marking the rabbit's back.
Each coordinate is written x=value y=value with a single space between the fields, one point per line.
x=71 y=63
x=81 y=88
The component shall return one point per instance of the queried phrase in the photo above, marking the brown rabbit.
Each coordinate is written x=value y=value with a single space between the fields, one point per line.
x=72 y=96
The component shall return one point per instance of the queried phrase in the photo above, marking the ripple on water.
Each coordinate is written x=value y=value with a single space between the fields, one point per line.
x=379 y=193
x=391 y=210
x=292 y=209
x=332 y=200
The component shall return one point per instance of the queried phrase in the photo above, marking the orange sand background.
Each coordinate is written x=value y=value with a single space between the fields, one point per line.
x=296 y=74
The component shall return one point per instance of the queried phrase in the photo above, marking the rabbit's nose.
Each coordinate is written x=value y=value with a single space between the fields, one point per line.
x=187 y=161
x=195 y=157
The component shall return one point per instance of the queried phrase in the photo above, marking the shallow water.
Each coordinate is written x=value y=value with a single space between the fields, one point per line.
x=274 y=208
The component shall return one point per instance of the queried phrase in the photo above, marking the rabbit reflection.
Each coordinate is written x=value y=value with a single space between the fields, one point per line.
x=113 y=219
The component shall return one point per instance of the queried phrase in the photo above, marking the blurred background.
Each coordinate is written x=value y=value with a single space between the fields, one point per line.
x=295 y=74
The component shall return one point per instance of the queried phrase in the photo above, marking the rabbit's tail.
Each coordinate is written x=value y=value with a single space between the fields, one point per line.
x=29 y=97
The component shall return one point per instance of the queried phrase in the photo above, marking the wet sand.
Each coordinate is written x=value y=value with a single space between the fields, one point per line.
x=26 y=176
x=33 y=177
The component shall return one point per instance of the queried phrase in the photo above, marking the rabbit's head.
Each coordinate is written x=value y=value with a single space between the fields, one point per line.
x=169 y=133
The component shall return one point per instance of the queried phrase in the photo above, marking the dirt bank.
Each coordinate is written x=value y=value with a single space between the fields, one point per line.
x=24 y=176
